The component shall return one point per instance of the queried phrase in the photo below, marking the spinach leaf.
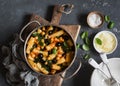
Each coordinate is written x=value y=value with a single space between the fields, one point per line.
x=111 y=24
x=86 y=56
x=78 y=46
x=65 y=44
x=107 y=18
x=40 y=37
x=84 y=35
x=35 y=34
x=87 y=41
x=65 y=47
x=85 y=47
x=41 y=43
x=46 y=67
x=54 y=51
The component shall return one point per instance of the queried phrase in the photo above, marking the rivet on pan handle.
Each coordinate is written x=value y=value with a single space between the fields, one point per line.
x=20 y=35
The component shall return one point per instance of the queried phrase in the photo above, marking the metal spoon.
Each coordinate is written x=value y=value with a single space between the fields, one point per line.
x=95 y=65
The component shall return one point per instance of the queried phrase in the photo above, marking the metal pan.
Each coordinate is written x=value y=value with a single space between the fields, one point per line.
x=26 y=41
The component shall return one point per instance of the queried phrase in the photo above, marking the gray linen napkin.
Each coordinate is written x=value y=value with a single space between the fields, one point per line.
x=18 y=73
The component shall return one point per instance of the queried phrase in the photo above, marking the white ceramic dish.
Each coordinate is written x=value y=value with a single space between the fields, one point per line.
x=97 y=78
x=110 y=34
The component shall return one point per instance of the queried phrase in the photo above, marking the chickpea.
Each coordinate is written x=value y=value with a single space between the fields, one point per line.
x=43 y=33
x=39 y=30
x=43 y=28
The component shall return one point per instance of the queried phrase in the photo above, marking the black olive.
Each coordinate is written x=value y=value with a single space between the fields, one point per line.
x=40 y=55
x=50 y=32
x=47 y=41
x=54 y=61
x=65 y=37
x=49 y=52
x=36 y=60
x=58 y=44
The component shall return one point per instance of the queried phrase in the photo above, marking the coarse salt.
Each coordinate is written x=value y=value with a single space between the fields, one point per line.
x=94 y=20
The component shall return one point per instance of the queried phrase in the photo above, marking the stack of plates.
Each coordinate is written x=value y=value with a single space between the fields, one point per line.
x=98 y=79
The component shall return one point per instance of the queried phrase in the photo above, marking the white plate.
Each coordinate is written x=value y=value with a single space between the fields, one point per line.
x=97 y=78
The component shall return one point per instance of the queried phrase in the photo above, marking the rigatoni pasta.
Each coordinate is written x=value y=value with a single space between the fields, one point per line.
x=49 y=50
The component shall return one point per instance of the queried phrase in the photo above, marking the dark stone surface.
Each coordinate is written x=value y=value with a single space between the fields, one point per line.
x=14 y=14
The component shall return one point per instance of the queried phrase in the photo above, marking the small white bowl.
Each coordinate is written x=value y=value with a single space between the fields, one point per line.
x=95 y=13
x=100 y=50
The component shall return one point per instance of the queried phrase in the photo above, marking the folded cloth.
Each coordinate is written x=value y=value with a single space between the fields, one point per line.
x=18 y=73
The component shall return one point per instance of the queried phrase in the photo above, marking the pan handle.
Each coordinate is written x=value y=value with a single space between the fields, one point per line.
x=66 y=78
x=20 y=35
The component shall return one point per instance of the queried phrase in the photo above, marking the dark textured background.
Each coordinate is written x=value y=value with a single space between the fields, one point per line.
x=14 y=14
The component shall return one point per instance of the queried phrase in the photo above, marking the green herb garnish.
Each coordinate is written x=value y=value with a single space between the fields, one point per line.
x=111 y=24
x=84 y=35
x=98 y=41
x=107 y=18
x=85 y=47
x=86 y=56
